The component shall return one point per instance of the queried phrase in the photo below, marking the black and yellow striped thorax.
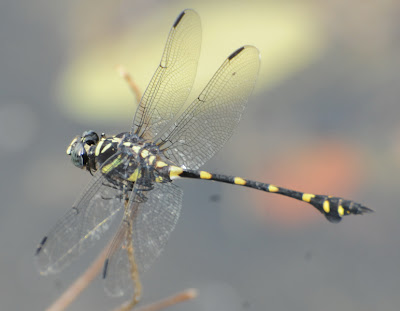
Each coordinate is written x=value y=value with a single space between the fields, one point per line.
x=124 y=157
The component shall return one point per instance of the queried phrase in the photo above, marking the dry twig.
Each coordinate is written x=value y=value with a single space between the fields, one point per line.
x=80 y=284
x=132 y=85
x=170 y=301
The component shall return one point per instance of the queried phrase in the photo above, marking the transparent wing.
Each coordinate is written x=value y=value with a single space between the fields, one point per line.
x=153 y=216
x=84 y=223
x=117 y=267
x=173 y=79
x=203 y=128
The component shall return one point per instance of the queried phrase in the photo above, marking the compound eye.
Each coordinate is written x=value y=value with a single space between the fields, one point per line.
x=79 y=156
x=90 y=138
x=72 y=145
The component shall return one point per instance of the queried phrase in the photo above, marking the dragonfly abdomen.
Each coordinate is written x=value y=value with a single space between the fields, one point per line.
x=333 y=208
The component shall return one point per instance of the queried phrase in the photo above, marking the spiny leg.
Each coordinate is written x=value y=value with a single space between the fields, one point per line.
x=333 y=208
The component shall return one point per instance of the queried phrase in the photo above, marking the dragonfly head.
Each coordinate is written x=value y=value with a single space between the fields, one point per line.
x=79 y=147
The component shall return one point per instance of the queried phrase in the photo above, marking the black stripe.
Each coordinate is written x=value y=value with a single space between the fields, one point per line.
x=223 y=178
x=234 y=54
x=105 y=268
x=41 y=245
x=190 y=174
x=179 y=19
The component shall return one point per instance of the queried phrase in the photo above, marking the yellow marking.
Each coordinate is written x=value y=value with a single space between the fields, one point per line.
x=272 y=188
x=160 y=164
x=307 y=197
x=151 y=159
x=127 y=144
x=239 y=181
x=144 y=153
x=159 y=179
x=205 y=175
x=107 y=168
x=98 y=147
x=106 y=148
x=340 y=210
x=326 y=206
x=136 y=149
x=70 y=145
x=134 y=175
x=175 y=171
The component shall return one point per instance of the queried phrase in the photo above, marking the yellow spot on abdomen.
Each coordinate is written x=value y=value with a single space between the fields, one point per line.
x=326 y=206
x=175 y=171
x=136 y=149
x=272 y=188
x=340 y=210
x=144 y=153
x=239 y=181
x=160 y=164
x=307 y=197
x=151 y=159
x=205 y=175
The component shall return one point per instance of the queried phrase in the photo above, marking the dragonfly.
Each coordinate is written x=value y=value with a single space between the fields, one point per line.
x=134 y=172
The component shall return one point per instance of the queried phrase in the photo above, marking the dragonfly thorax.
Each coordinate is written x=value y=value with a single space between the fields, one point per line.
x=89 y=151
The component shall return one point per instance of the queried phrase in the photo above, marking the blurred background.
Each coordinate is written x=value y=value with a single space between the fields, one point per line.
x=323 y=119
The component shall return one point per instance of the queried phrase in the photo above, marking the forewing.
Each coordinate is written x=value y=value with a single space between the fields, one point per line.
x=85 y=222
x=204 y=127
x=173 y=79
x=153 y=216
